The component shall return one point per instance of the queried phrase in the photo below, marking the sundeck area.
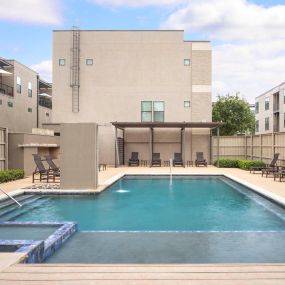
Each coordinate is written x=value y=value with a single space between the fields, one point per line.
x=147 y=273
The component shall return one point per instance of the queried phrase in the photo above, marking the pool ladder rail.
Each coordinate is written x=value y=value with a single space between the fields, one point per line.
x=9 y=196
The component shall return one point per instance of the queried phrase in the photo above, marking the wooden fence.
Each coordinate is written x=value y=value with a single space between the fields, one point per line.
x=261 y=147
x=3 y=149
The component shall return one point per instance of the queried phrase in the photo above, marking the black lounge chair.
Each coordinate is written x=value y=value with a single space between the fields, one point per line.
x=51 y=164
x=200 y=160
x=45 y=174
x=40 y=169
x=272 y=164
x=272 y=167
x=178 y=159
x=134 y=160
x=280 y=173
x=156 y=161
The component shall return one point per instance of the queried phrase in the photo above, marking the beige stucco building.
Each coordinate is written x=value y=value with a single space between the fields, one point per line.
x=134 y=76
x=270 y=110
x=20 y=87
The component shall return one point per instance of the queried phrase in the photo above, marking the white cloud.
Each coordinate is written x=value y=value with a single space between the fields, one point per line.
x=136 y=3
x=247 y=68
x=250 y=54
x=31 y=11
x=230 y=20
x=44 y=69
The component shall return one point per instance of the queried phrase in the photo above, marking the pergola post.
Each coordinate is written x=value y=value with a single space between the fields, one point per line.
x=116 y=132
x=151 y=146
x=183 y=139
x=211 y=146
x=123 y=130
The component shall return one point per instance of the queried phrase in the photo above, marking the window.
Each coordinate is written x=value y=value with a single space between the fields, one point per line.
x=187 y=104
x=61 y=62
x=186 y=61
x=257 y=126
x=267 y=100
x=30 y=110
x=284 y=96
x=89 y=61
x=19 y=87
x=146 y=111
x=30 y=91
x=47 y=114
x=158 y=111
x=152 y=111
x=256 y=107
x=267 y=123
x=10 y=104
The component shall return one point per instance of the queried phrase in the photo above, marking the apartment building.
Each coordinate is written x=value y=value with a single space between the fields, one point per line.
x=270 y=110
x=147 y=79
x=25 y=99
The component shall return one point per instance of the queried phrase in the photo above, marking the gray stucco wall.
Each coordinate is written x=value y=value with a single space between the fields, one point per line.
x=79 y=156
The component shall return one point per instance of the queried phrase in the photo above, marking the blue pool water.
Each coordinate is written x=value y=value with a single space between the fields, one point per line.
x=157 y=204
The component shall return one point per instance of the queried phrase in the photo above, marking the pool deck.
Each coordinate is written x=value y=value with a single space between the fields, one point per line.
x=222 y=274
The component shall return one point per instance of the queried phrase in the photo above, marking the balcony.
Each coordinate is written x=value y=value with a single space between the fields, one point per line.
x=6 y=90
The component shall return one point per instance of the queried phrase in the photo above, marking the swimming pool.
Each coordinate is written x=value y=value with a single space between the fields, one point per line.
x=176 y=215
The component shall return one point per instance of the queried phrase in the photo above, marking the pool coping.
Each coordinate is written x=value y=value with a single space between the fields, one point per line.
x=109 y=182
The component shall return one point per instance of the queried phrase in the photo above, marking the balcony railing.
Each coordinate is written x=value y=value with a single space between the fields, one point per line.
x=6 y=89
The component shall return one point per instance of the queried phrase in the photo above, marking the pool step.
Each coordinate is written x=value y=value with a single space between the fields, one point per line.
x=14 y=211
x=9 y=202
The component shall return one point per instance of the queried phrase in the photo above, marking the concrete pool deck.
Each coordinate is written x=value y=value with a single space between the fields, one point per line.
x=224 y=274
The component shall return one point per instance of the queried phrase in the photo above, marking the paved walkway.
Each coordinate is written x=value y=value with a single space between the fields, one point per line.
x=239 y=274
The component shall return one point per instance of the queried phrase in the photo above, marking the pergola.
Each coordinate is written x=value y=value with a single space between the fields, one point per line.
x=152 y=125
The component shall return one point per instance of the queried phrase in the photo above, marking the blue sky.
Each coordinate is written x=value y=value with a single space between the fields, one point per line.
x=248 y=50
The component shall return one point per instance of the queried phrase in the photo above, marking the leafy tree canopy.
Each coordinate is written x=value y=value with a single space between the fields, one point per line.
x=235 y=113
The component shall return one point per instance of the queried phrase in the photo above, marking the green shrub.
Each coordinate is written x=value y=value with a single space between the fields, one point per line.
x=239 y=163
x=10 y=175
x=227 y=163
x=247 y=164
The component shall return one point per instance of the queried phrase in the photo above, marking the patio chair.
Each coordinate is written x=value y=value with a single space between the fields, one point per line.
x=200 y=160
x=271 y=164
x=178 y=159
x=272 y=167
x=51 y=164
x=156 y=161
x=45 y=174
x=280 y=174
x=134 y=160
x=40 y=169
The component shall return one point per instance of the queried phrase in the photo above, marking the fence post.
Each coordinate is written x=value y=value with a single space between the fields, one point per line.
x=245 y=146
x=273 y=144
x=218 y=147
x=260 y=147
x=251 y=147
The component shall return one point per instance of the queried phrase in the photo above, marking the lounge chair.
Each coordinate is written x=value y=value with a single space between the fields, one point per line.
x=280 y=174
x=200 y=160
x=178 y=159
x=51 y=164
x=271 y=164
x=134 y=160
x=45 y=174
x=272 y=167
x=156 y=161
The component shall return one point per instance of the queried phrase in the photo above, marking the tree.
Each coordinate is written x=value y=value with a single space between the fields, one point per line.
x=235 y=113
